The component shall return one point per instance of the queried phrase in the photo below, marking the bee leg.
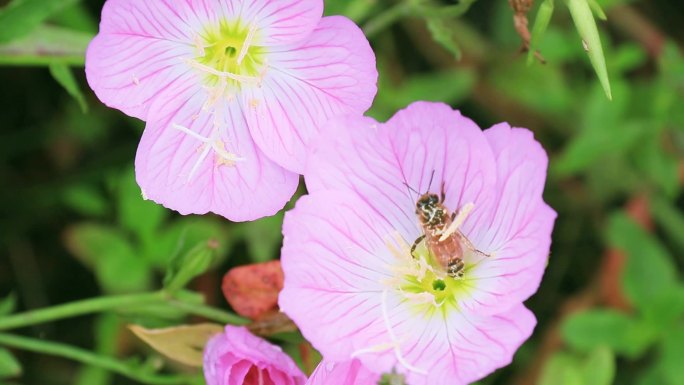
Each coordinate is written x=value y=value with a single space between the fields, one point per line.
x=442 y=194
x=470 y=245
x=416 y=243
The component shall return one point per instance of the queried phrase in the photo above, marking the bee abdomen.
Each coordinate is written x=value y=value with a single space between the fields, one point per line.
x=455 y=268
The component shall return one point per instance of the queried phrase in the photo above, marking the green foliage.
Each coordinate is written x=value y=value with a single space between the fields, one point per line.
x=263 y=237
x=541 y=22
x=422 y=87
x=597 y=367
x=62 y=73
x=586 y=26
x=68 y=173
x=444 y=35
x=650 y=278
x=8 y=304
x=9 y=366
x=46 y=45
x=189 y=265
x=22 y=16
x=111 y=255
x=623 y=334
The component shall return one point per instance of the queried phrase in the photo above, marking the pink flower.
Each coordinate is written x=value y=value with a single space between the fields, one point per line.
x=232 y=92
x=345 y=373
x=354 y=287
x=240 y=358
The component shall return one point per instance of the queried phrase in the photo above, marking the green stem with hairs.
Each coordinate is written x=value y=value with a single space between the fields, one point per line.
x=89 y=358
x=118 y=302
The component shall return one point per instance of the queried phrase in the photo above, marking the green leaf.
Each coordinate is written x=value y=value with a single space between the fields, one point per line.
x=8 y=304
x=107 y=326
x=543 y=89
x=596 y=328
x=264 y=237
x=604 y=131
x=650 y=276
x=659 y=165
x=586 y=26
x=599 y=367
x=62 y=73
x=442 y=33
x=598 y=11
x=47 y=45
x=183 y=234
x=541 y=22
x=9 y=366
x=86 y=200
x=670 y=219
x=561 y=369
x=23 y=16
x=111 y=256
x=141 y=216
x=445 y=86
x=190 y=265
x=672 y=356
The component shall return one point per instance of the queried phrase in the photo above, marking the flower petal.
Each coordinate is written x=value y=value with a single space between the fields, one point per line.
x=344 y=373
x=334 y=264
x=236 y=354
x=521 y=174
x=391 y=164
x=181 y=172
x=137 y=57
x=331 y=73
x=281 y=21
x=517 y=231
x=451 y=347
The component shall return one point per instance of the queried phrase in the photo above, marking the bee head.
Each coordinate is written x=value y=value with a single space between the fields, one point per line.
x=426 y=206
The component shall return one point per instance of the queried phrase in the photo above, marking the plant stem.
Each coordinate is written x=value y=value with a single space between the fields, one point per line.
x=78 y=308
x=209 y=312
x=387 y=18
x=119 y=302
x=89 y=358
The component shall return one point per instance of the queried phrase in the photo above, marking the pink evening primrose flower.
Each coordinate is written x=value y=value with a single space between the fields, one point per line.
x=450 y=311
x=232 y=92
x=237 y=357
x=344 y=373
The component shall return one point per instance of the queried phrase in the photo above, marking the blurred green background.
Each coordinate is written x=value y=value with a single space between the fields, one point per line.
x=73 y=224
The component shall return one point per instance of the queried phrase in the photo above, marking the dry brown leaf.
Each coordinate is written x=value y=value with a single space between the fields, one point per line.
x=184 y=344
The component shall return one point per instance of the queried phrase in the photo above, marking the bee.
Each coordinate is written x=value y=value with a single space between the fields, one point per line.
x=445 y=242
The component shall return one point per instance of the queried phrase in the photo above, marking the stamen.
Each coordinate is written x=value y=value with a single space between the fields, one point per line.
x=190 y=132
x=222 y=74
x=458 y=221
x=213 y=143
x=248 y=42
x=393 y=337
x=199 y=46
x=215 y=94
x=199 y=161
x=261 y=377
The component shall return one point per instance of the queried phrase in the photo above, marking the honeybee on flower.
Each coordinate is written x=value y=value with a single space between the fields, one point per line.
x=355 y=287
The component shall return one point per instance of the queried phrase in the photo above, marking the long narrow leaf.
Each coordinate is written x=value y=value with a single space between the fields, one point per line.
x=541 y=21
x=586 y=26
x=21 y=17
